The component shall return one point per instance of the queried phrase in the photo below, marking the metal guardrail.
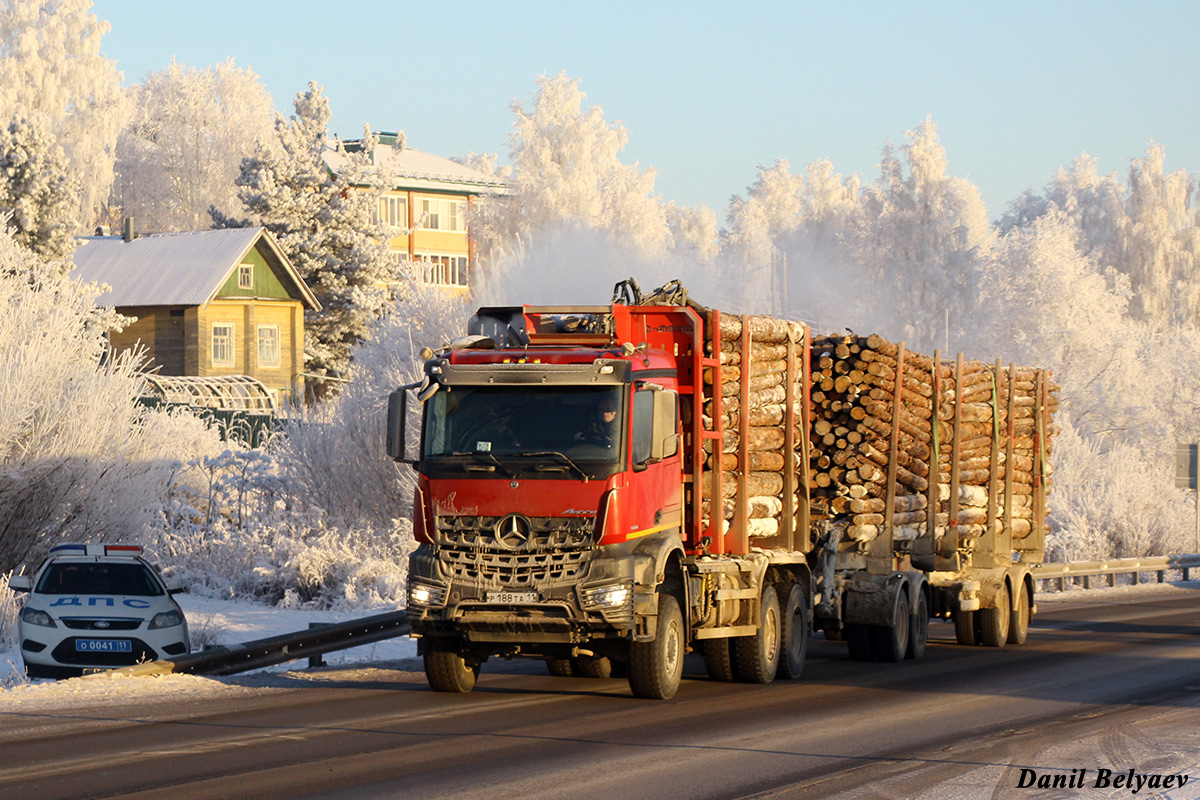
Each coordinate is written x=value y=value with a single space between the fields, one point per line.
x=280 y=649
x=1110 y=568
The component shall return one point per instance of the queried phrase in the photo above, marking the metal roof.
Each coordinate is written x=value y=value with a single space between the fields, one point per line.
x=174 y=269
x=416 y=169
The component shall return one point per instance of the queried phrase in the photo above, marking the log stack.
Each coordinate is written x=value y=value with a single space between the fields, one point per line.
x=954 y=447
x=972 y=442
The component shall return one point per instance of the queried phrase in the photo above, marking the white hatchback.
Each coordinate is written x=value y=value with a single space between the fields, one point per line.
x=94 y=607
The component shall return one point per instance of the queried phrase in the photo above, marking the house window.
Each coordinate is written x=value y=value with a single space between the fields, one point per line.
x=444 y=270
x=268 y=345
x=246 y=276
x=443 y=215
x=222 y=344
x=394 y=211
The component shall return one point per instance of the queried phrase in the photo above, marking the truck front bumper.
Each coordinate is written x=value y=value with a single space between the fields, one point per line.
x=595 y=601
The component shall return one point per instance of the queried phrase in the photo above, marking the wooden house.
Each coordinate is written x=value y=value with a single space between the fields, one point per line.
x=426 y=204
x=208 y=303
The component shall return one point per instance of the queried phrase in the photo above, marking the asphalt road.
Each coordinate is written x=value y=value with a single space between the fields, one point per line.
x=1109 y=682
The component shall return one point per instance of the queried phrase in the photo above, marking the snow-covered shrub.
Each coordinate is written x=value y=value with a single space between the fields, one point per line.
x=79 y=458
x=10 y=610
x=1109 y=500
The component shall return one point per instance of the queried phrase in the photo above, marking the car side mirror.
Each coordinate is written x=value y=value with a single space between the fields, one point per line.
x=20 y=583
x=175 y=586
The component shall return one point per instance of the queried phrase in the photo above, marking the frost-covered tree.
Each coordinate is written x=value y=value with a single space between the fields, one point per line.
x=183 y=149
x=38 y=198
x=326 y=225
x=920 y=237
x=567 y=173
x=1146 y=230
x=53 y=68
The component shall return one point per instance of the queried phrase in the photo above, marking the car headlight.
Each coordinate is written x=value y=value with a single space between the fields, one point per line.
x=34 y=617
x=167 y=619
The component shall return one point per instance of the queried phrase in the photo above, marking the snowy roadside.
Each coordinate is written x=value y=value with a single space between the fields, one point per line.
x=210 y=622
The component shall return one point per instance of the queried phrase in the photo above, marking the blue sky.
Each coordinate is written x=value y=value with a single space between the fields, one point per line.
x=708 y=91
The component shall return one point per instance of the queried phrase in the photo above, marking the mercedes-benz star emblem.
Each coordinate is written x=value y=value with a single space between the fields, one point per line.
x=514 y=531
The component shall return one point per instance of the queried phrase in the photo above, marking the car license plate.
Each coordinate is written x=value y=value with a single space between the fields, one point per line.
x=103 y=646
x=512 y=598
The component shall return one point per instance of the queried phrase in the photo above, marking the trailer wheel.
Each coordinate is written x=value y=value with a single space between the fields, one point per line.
x=758 y=655
x=1018 y=626
x=447 y=671
x=858 y=637
x=656 y=668
x=795 y=634
x=718 y=659
x=560 y=668
x=592 y=666
x=994 y=622
x=964 y=628
x=918 y=629
x=890 y=642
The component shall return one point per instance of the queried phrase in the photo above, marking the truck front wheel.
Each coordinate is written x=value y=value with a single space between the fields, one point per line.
x=447 y=671
x=656 y=668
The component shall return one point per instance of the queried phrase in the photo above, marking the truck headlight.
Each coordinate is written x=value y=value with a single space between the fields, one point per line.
x=34 y=617
x=613 y=595
x=425 y=594
x=167 y=619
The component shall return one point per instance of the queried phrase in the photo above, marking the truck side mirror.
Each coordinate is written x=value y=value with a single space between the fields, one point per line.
x=665 y=441
x=397 y=423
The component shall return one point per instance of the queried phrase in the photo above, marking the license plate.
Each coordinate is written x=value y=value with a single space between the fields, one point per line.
x=512 y=598
x=103 y=646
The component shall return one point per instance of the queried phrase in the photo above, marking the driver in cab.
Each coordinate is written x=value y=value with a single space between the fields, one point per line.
x=602 y=430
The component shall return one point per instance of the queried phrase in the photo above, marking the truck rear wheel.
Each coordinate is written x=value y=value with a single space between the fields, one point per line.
x=918 y=629
x=1018 y=627
x=858 y=637
x=656 y=668
x=795 y=634
x=592 y=666
x=560 y=667
x=994 y=622
x=890 y=642
x=758 y=655
x=718 y=659
x=447 y=671
x=964 y=628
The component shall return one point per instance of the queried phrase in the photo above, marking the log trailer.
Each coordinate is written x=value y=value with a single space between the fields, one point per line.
x=608 y=488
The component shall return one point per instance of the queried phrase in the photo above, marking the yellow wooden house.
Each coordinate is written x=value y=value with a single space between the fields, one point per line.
x=207 y=303
x=427 y=209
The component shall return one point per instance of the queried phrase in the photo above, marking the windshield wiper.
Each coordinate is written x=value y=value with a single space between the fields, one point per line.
x=485 y=456
x=555 y=453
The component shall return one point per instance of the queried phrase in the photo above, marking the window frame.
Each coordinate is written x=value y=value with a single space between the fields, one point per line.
x=278 y=359
x=245 y=276
x=217 y=360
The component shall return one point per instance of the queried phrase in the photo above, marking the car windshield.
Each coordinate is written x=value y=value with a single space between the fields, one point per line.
x=99 y=578
x=582 y=423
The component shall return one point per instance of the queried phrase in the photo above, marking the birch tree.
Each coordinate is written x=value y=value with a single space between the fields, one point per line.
x=54 y=71
x=183 y=149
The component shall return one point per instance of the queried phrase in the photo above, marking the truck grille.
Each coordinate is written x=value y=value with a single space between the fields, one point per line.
x=549 y=550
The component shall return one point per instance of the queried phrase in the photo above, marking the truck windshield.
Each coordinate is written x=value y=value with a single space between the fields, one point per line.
x=582 y=423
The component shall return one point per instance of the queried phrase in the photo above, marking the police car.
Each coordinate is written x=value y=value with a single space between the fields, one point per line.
x=97 y=606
